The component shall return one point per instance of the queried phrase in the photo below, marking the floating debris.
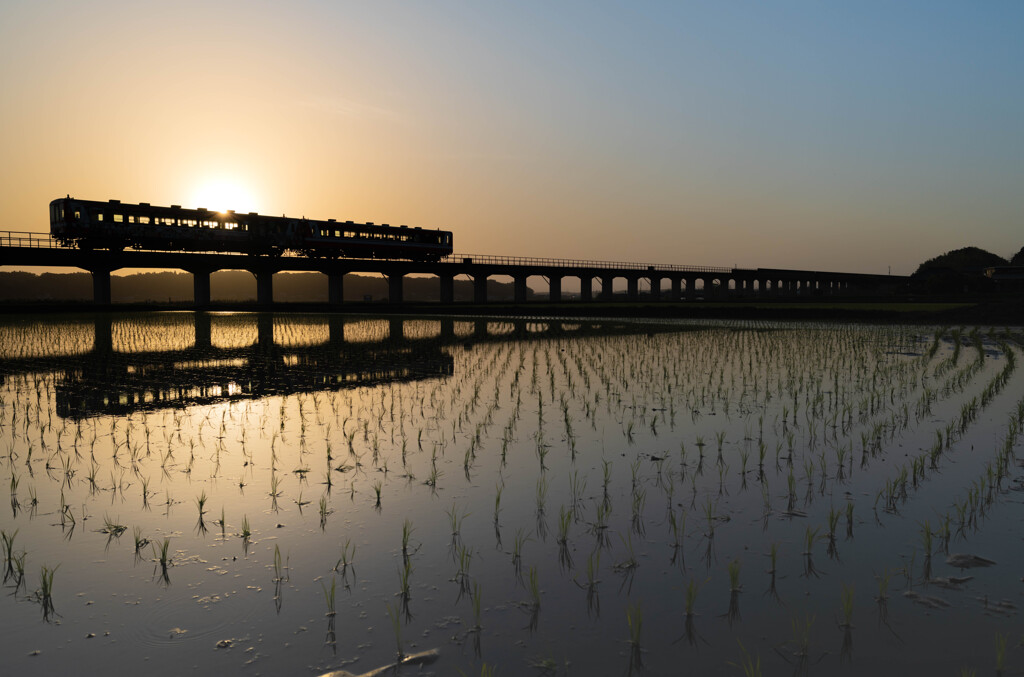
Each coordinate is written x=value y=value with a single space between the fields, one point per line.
x=962 y=561
x=422 y=658
x=926 y=600
x=949 y=582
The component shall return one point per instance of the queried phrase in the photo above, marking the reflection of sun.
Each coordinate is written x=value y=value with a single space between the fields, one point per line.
x=221 y=194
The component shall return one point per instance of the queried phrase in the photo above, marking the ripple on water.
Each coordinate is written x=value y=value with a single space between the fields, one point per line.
x=202 y=617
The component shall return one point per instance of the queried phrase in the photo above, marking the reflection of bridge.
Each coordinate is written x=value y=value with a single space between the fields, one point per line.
x=685 y=282
x=105 y=381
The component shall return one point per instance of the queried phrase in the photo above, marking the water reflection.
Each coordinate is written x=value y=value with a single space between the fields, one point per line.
x=146 y=366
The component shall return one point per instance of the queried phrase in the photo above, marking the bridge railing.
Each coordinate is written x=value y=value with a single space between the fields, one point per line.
x=580 y=263
x=14 y=238
x=44 y=241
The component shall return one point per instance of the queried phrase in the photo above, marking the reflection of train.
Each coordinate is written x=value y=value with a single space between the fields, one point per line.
x=112 y=225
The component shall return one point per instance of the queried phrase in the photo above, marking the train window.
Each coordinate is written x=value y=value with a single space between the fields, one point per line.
x=78 y=215
x=99 y=216
x=118 y=218
x=144 y=219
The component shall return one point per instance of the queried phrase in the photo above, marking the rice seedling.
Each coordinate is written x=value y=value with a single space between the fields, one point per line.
x=164 y=559
x=407 y=530
x=396 y=626
x=404 y=574
x=377 y=486
x=846 y=604
x=44 y=595
x=1000 y=653
x=7 y=542
x=691 y=596
x=324 y=512
x=329 y=596
x=635 y=623
x=455 y=519
x=534 y=587
x=751 y=667
x=629 y=562
x=518 y=540
x=734 y=575
x=564 y=521
x=140 y=540
x=802 y=636
x=280 y=566
x=348 y=555
x=475 y=598
x=773 y=556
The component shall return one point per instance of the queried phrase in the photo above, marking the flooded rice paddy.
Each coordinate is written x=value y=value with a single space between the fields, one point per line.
x=290 y=495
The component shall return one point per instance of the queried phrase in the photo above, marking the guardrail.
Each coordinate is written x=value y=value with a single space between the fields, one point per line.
x=580 y=263
x=12 y=238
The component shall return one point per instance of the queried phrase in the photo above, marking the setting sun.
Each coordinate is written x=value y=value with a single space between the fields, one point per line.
x=222 y=194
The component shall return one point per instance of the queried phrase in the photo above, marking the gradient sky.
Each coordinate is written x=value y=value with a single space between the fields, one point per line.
x=853 y=136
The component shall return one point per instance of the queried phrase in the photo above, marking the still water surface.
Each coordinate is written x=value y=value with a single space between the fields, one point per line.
x=293 y=494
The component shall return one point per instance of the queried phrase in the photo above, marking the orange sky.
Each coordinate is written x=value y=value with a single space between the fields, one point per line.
x=794 y=136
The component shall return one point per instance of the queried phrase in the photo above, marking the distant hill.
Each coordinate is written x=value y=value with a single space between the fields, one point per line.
x=228 y=285
x=965 y=260
x=1018 y=258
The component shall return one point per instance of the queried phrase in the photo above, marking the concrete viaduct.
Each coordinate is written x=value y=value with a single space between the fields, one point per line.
x=686 y=282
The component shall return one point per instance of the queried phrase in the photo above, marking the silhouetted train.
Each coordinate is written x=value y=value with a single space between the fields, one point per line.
x=111 y=225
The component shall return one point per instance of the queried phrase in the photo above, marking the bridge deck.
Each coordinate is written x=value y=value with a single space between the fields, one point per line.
x=687 y=281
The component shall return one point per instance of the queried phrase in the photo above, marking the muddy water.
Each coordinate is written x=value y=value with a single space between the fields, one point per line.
x=527 y=496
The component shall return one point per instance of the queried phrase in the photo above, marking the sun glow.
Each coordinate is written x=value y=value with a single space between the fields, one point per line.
x=222 y=194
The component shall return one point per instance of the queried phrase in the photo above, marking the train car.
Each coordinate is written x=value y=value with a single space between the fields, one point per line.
x=114 y=226
x=368 y=241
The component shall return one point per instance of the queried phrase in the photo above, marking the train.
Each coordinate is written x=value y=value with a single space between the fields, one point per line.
x=113 y=225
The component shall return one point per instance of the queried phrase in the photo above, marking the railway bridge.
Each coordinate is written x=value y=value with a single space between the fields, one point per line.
x=684 y=282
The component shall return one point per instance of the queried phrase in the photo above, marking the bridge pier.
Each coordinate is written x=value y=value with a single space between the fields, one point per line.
x=586 y=288
x=395 y=288
x=655 y=287
x=101 y=287
x=519 y=287
x=447 y=289
x=336 y=329
x=554 y=288
x=677 y=288
x=265 y=332
x=204 y=330
x=447 y=331
x=606 y=287
x=200 y=288
x=264 y=287
x=480 y=289
x=396 y=329
x=103 y=335
x=335 y=288
x=633 y=288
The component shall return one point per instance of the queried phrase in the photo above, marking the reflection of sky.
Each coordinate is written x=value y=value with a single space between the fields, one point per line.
x=648 y=424
x=778 y=135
